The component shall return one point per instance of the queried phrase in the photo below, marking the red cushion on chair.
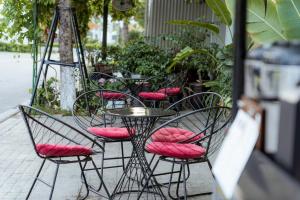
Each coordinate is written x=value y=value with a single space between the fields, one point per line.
x=170 y=90
x=55 y=150
x=153 y=96
x=176 y=150
x=111 y=95
x=174 y=135
x=111 y=132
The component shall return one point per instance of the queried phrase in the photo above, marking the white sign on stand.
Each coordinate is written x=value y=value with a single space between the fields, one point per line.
x=235 y=151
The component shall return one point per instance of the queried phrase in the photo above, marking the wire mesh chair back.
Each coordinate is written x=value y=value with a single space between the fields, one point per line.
x=46 y=129
x=90 y=107
x=220 y=124
x=101 y=80
x=158 y=82
x=197 y=101
x=194 y=102
x=208 y=126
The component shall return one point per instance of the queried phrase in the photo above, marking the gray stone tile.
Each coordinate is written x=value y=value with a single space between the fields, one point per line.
x=19 y=164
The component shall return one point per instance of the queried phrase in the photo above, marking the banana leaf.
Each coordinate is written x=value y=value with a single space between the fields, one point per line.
x=185 y=53
x=220 y=9
x=289 y=16
x=263 y=23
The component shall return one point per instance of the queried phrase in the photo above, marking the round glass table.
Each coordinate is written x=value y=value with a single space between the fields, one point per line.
x=139 y=122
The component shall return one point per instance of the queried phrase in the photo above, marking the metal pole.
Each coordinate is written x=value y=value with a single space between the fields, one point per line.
x=52 y=34
x=239 y=52
x=35 y=43
x=104 y=36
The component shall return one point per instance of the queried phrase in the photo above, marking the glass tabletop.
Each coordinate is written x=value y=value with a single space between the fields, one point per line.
x=140 y=112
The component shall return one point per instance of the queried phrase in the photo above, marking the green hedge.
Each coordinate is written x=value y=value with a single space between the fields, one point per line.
x=26 y=48
x=12 y=47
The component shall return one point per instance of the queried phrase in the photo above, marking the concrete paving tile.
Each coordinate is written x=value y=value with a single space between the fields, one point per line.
x=19 y=164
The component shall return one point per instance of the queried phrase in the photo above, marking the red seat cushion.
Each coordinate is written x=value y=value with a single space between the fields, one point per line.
x=170 y=90
x=176 y=150
x=55 y=150
x=111 y=95
x=153 y=96
x=174 y=135
x=111 y=132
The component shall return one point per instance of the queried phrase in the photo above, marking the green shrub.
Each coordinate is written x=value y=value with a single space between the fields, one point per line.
x=143 y=58
x=13 y=47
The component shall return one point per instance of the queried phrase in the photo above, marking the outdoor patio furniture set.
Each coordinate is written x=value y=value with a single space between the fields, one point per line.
x=187 y=132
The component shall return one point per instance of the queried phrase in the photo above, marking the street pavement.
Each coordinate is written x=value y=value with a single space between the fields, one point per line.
x=15 y=79
x=19 y=164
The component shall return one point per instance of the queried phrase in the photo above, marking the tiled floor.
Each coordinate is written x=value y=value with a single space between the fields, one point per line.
x=19 y=164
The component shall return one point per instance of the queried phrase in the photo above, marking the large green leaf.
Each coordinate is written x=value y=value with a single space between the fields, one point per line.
x=209 y=26
x=289 y=16
x=187 y=52
x=263 y=23
x=220 y=9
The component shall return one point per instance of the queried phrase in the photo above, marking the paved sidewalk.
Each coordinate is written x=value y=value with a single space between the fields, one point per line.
x=19 y=164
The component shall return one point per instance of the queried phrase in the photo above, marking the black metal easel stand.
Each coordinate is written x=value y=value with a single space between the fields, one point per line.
x=46 y=59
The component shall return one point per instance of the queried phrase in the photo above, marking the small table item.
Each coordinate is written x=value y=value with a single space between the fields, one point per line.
x=139 y=122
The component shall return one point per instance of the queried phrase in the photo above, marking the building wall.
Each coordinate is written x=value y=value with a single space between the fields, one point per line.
x=159 y=12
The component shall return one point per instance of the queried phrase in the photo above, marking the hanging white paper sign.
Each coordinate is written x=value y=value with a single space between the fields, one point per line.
x=235 y=151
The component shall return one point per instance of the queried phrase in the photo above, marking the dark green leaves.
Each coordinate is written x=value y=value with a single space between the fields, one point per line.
x=208 y=26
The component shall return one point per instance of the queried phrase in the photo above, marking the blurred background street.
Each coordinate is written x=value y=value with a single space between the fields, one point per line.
x=15 y=79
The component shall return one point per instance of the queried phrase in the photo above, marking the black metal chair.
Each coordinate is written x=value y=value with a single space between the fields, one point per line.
x=187 y=104
x=204 y=130
x=168 y=90
x=60 y=143
x=89 y=113
x=194 y=102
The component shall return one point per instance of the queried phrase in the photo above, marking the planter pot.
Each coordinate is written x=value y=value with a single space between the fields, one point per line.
x=104 y=68
x=136 y=76
x=196 y=87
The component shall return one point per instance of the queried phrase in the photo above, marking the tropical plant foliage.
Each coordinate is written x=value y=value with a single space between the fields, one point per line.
x=141 y=57
x=270 y=20
x=213 y=61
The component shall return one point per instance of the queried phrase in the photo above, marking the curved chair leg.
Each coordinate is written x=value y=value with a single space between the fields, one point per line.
x=171 y=173
x=84 y=179
x=85 y=163
x=210 y=167
x=171 y=181
x=102 y=167
x=184 y=182
x=101 y=179
x=36 y=178
x=188 y=171
x=123 y=159
x=178 y=182
x=54 y=181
